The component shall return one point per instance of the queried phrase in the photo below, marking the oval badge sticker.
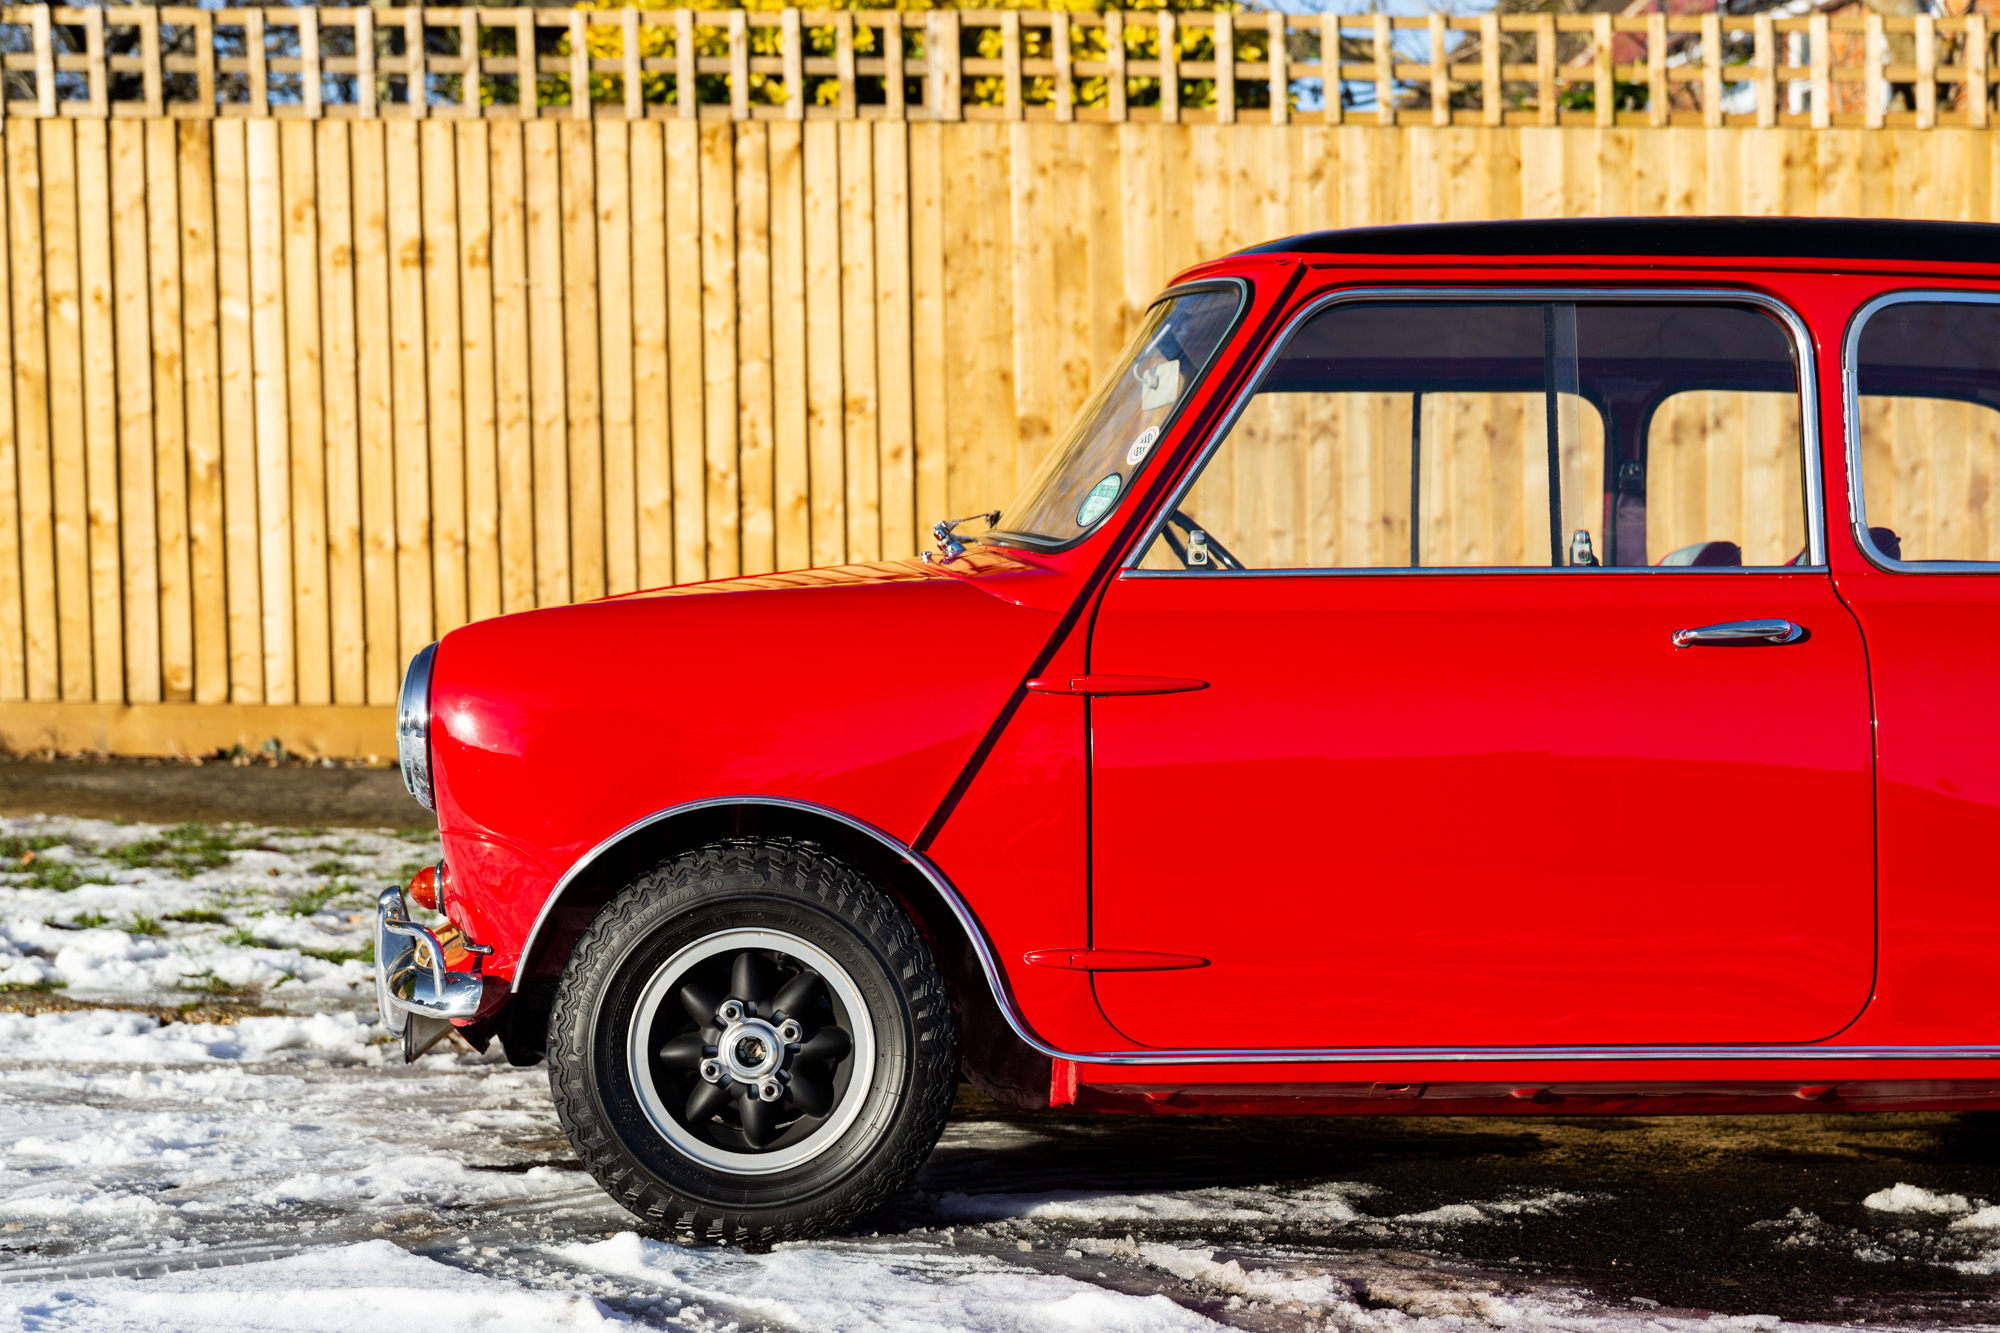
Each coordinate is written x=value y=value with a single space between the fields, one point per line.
x=1142 y=446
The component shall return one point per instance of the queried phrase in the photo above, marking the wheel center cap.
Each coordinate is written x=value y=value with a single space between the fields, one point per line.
x=750 y=1049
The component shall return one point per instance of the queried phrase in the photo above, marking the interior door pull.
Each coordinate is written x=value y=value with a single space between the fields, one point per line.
x=1741 y=631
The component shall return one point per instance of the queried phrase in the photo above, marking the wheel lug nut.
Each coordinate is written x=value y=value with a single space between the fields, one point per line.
x=789 y=1031
x=731 y=1011
x=712 y=1070
x=769 y=1090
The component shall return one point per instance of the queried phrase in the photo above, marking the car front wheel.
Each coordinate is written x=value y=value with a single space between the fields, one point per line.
x=752 y=1042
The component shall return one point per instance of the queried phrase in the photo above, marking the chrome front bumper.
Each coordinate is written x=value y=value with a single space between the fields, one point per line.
x=410 y=976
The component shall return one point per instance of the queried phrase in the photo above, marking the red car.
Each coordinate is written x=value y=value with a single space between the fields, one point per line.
x=1467 y=668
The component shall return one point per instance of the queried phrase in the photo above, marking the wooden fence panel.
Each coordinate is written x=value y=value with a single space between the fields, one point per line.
x=286 y=399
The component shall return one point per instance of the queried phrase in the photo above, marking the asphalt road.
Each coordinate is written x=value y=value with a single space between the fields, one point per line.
x=1736 y=1215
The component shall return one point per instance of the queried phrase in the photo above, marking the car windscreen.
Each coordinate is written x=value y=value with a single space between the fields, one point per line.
x=1081 y=481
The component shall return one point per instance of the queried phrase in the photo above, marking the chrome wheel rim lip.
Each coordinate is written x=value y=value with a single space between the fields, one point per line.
x=659 y=990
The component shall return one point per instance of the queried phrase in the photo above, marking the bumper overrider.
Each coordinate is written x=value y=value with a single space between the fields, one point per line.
x=418 y=994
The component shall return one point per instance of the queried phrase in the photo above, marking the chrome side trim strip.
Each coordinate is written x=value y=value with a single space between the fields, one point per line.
x=1802 y=348
x=1851 y=408
x=996 y=980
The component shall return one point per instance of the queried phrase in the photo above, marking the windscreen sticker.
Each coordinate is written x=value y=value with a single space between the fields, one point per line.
x=1142 y=446
x=1098 y=503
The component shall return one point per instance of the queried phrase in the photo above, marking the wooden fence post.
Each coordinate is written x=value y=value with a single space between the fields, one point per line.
x=310 y=91
x=1926 y=72
x=1170 y=67
x=1548 y=110
x=1385 y=72
x=149 y=54
x=1767 y=72
x=1114 y=60
x=364 y=62
x=1604 y=88
x=628 y=51
x=687 y=94
x=1976 y=40
x=1224 y=41
x=941 y=53
x=892 y=62
x=739 y=65
x=93 y=49
x=1440 y=73
x=1281 y=79
x=416 y=69
x=1711 y=70
x=1492 y=111
x=579 y=66
x=1822 y=75
x=1657 y=105
x=791 y=41
x=1874 y=45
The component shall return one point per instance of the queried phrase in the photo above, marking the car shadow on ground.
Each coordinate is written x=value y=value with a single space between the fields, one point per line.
x=1736 y=1214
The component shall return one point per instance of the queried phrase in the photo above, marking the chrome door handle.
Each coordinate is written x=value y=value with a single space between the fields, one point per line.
x=1741 y=631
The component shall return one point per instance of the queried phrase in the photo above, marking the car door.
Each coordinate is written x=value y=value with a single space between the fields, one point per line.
x=1530 y=714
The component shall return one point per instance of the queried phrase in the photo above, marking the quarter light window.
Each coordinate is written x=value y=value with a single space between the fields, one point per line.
x=1927 y=420
x=1118 y=432
x=1507 y=435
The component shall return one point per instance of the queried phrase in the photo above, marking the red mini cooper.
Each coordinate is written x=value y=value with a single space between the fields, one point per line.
x=1528 y=666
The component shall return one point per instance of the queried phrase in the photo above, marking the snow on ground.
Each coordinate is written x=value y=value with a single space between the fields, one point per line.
x=141 y=912
x=287 y=1172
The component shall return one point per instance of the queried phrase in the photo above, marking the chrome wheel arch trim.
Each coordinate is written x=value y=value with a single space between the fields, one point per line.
x=996 y=981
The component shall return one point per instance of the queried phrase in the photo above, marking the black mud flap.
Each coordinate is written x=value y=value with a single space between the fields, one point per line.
x=420 y=1034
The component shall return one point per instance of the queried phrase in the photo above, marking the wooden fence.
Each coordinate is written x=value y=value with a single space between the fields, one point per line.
x=295 y=387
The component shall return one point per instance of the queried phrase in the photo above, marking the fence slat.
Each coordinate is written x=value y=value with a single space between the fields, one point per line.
x=756 y=444
x=613 y=216
x=1766 y=65
x=1657 y=105
x=1874 y=50
x=859 y=405
x=652 y=445
x=513 y=374
x=1280 y=78
x=28 y=260
x=721 y=482
x=684 y=351
x=1491 y=112
x=201 y=339
x=476 y=292
x=306 y=388
x=269 y=387
x=373 y=260
x=133 y=361
x=790 y=471
x=1977 y=48
x=170 y=509
x=1225 y=67
x=1170 y=75
x=827 y=480
x=444 y=356
x=101 y=433
x=548 y=387
x=239 y=411
x=68 y=413
x=585 y=437
x=347 y=626
x=895 y=410
x=13 y=645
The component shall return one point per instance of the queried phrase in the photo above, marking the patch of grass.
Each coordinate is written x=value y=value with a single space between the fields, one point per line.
x=309 y=904
x=16 y=849
x=241 y=938
x=141 y=924
x=184 y=850
x=365 y=954
x=328 y=867
x=207 y=983
x=199 y=916
x=62 y=876
x=88 y=921
x=31 y=987
x=417 y=834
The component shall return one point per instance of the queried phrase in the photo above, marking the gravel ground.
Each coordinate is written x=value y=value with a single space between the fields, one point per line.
x=236 y=1148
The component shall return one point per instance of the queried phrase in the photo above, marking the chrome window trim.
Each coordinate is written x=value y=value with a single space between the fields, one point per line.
x=1245 y=296
x=1850 y=401
x=996 y=980
x=1809 y=444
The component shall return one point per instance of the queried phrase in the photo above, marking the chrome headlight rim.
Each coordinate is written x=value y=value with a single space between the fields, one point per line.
x=413 y=728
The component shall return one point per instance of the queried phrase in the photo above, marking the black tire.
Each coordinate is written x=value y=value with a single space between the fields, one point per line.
x=642 y=1126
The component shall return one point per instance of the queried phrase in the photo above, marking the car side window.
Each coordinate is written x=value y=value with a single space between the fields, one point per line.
x=1506 y=435
x=1927 y=431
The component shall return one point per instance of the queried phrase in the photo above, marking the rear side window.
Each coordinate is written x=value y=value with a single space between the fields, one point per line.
x=1507 y=435
x=1926 y=375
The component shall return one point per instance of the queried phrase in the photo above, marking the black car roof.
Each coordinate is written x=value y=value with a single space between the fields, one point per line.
x=1698 y=238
